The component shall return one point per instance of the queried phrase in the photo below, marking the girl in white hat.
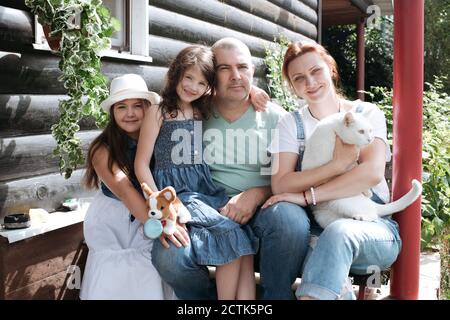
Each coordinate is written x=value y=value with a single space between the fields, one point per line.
x=119 y=261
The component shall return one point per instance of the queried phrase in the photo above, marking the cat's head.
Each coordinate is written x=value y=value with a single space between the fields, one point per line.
x=356 y=129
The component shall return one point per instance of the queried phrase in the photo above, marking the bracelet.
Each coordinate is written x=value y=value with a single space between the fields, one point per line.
x=313 y=196
x=306 y=200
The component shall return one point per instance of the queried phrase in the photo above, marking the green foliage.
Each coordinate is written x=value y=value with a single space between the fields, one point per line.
x=340 y=41
x=274 y=62
x=81 y=68
x=437 y=41
x=435 y=158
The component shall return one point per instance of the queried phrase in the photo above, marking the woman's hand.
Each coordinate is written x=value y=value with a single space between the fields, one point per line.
x=345 y=156
x=178 y=238
x=296 y=198
x=259 y=98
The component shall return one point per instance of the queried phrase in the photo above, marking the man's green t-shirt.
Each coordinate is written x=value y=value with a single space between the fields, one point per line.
x=236 y=152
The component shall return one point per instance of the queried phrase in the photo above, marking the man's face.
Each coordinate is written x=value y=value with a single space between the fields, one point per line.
x=234 y=73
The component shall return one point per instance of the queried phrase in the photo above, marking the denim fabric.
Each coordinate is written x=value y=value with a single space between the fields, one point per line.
x=283 y=230
x=188 y=173
x=347 y=245
x=215 y=239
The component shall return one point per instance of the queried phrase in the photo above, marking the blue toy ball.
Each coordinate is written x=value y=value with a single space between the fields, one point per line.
x=153 y=228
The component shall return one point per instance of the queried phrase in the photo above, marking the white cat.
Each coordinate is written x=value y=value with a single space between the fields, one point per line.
x=352 y=128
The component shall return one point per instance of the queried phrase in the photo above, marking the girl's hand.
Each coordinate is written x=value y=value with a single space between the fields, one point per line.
x=178 y=238
x=259 y=98
x=345 y=156
x=296 y=198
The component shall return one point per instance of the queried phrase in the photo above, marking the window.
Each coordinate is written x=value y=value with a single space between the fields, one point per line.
x=120 y=10
x=131 y=42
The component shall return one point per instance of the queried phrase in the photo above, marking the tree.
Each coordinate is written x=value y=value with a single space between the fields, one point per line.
x=341 y=43
x=437 y=42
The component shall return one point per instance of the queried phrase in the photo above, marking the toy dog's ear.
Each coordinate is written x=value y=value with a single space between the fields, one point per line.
x=147 y=191
x=169 y=193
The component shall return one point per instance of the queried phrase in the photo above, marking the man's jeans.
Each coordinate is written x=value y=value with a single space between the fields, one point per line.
x=283 y=230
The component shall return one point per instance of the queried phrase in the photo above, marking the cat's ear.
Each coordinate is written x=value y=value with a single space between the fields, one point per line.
x=348 y=119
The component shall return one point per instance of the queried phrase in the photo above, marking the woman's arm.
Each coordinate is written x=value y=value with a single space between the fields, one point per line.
x=147 y=138
x=119 y=184
x=286 y=180
x=364 y=176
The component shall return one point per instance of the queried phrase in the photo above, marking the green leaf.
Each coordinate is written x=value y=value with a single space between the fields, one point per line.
x=81 y=69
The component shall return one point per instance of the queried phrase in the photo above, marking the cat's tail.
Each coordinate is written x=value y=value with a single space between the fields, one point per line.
x=403 y=202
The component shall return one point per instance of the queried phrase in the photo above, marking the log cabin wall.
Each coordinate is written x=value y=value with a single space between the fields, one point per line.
x=30 y=91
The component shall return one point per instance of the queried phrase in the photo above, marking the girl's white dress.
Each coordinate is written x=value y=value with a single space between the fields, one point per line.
x=119 y=262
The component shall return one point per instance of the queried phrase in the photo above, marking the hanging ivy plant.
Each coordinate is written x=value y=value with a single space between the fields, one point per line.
x=85 y=28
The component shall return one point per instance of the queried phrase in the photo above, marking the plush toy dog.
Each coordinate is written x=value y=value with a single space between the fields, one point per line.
x=165 y=207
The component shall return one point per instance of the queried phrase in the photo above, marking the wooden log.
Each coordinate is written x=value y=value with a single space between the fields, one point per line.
x=176 y=26
x=32 y=114
x=232 y=18
x=29 y=156
x=38 y=72
x=47 y=192
x=15 y=29
x=164 y=50
x=297 y=7
x=269 y=11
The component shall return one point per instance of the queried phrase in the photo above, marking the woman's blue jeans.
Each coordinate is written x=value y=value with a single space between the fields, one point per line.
x=283 y=231
x=346 y=245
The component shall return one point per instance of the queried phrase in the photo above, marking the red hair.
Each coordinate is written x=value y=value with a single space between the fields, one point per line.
x=297 y=49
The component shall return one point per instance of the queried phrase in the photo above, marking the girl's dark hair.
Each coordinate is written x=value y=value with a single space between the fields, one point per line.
x=115 y=139
x=200 y=56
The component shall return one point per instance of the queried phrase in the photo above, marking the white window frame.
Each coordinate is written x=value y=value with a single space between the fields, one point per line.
x=138 y=35
x=119 y=42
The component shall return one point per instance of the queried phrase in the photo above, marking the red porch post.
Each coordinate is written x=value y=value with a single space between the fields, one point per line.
x=407 y=136
x=360 y=59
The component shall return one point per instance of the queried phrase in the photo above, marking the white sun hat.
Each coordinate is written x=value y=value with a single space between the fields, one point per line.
x=129 y=86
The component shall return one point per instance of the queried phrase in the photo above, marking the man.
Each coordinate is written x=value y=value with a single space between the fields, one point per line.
x=239 y=167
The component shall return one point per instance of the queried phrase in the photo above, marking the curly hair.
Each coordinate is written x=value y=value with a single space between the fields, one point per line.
x=200 y=56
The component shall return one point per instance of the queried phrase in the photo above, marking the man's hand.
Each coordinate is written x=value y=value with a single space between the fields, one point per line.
x=178 y=238
x=242 y=207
